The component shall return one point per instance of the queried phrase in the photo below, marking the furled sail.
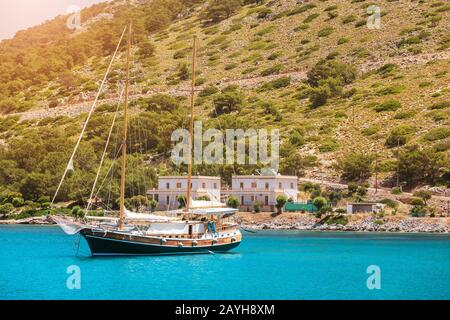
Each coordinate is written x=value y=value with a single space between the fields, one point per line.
x=198 y=204
x=129 y=215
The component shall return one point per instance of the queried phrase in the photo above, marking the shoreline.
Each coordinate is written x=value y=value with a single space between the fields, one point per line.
x=307 y=222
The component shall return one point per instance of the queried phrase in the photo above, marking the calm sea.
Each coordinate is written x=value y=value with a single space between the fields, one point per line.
x=267 y=265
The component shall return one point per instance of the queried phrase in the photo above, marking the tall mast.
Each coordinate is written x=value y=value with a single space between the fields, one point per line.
x=125 y=134
x=191 y=127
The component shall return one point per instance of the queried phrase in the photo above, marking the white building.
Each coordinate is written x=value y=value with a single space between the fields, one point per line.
x=170 y=187
x=264 y=189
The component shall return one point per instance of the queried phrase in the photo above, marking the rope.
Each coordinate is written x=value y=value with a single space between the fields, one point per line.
x=104 y=152
x=70 y=164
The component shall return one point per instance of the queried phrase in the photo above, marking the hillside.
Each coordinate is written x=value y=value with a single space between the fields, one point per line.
x=348 y=100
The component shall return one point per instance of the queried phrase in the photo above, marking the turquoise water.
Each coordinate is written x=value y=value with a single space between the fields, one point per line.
x=268 y=265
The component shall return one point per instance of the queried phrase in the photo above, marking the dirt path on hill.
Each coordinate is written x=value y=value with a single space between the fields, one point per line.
x=72 y=110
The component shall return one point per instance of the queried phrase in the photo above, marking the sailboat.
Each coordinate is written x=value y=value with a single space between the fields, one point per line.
x=201 y=227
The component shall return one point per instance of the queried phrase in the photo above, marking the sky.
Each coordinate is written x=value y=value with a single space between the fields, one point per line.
x=16 y=15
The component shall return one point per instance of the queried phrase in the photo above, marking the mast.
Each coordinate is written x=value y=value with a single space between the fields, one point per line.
x=125 y=133
x=191 y=127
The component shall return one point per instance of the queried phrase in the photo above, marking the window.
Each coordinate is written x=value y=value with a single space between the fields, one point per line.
x=203 y=185
x=292 y=185
x=266 y=200
x=280 y=185
x=179 y=185
x=252 y=198
x=267 y=186
x=167 y=185
x=242 y=200
x=242 y=185
x=253 y=184
x=215 y=185
x=167 y=200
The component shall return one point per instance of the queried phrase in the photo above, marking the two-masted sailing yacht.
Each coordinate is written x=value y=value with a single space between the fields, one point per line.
x=201 y=227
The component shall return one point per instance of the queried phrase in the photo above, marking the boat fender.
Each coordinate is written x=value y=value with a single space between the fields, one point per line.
x=180 y=244
x=163 y=241
x=194 y=243
x=214 y=241
x=233 y=239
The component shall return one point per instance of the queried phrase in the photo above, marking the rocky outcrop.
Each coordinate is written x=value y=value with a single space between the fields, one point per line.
x=43 y=220
x=356 y=224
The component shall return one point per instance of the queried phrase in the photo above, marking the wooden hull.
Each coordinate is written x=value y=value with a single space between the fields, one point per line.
x=114 y=243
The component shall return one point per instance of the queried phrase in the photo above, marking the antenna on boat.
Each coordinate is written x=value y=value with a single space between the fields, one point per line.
x=125 y=133
x=191 y=126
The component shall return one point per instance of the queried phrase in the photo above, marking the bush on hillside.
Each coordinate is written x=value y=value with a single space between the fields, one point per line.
x=218 y=10
x=356 y=166
x=228 y=102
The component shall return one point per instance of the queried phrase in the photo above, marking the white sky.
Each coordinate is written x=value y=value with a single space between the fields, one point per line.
x=16 y=15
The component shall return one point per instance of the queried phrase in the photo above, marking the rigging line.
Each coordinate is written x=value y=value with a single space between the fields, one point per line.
x=107 y=174
x=89 y=116
x=138 y=126
x=105 y=151
x=108 y=195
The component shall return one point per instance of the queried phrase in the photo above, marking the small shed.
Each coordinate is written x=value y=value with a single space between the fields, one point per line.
x=364 y=207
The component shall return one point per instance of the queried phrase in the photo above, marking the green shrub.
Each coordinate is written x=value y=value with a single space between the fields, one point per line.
x=356 y=166
x=404 y=114
x=336 y=69
x=6 y=209
x=257 y=207
x=342 y=40
x=266 y=30
x=348 y=19
x=263 y=13
x=272 y=70
x=325 y=32
x=331 y=8
x=274 y=55
x=230 y=66
x=395 y=89
x=396 y=191
x=301 y=9
x=161 y=102
x=301 y=27
x=420 y=165
x=437 y=134
x=440 y=105
x=328 y=145
x=320 y=203
x=233 y=202
x=228 y=102
x=219 y=10
x=360 y=23
x=390 y=203
x=390 y=105
x=18 y=202
x=208 y=91
x=399 y=135
x=182 y=201
x=425 y=195
x=311 y=17
x=387 y=69
x=370 y=130
x=276 y=84
x=281 y=201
